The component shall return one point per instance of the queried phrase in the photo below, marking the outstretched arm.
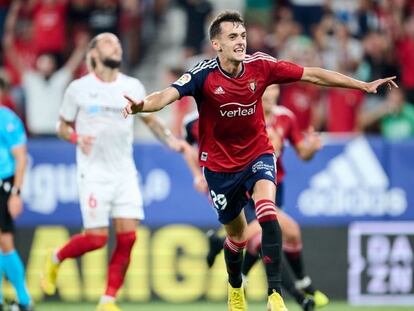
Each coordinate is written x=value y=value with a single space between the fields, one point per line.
x=78 y=54
x=153 y=102
x=8 y=37
x=325 y=77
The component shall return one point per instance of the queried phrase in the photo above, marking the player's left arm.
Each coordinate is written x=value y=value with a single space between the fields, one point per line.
x=153 y=102
x=325 y=77
x=162 y=132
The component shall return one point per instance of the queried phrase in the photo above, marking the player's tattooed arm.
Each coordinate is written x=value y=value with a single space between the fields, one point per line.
x=162 y=132
x=325 y=77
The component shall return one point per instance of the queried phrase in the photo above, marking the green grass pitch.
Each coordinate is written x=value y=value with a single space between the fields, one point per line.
x=204 y=306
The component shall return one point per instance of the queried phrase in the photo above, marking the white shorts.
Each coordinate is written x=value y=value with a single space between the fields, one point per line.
x=100 y=201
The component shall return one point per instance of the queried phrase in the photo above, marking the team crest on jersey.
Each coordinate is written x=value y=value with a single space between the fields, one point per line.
x=184 y=79
x=252 y=85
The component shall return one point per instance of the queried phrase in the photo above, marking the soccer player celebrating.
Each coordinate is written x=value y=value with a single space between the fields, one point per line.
x=281 y=125
x=107 y=177
x=235 y=150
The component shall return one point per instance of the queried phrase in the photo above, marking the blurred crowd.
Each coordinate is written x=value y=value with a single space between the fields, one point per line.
x=43 y=43
x=365 y=39
x=43 y=48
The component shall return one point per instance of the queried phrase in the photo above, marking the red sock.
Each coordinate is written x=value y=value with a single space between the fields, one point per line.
x=80 y=244
x=119 y=262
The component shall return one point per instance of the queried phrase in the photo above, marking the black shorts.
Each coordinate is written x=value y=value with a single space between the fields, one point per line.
x=250 y=210
x=6 y=221
x=228 y=191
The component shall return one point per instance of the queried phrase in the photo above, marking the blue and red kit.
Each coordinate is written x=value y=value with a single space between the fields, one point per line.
x=232 y=130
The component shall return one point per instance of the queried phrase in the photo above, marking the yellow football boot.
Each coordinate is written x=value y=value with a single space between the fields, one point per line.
x=321 y=300
x=236 y=299
x=108 y=306
x=275 y=302
x=48 y=282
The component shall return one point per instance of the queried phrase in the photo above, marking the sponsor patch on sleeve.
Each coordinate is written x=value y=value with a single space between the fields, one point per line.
x=184 y=79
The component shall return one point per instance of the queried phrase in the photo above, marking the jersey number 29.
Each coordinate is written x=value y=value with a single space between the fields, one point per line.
x=219 y=200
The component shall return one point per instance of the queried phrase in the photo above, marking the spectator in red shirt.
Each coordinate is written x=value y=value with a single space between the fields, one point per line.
x=18 y=35
x=303 y=100
x=49 y=26
x=343 y=106
x=405 y=52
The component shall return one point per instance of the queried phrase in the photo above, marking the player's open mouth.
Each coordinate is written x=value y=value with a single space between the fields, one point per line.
x=239 y=50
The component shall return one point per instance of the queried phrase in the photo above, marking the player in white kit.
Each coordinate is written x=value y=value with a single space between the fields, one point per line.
x=108 y=186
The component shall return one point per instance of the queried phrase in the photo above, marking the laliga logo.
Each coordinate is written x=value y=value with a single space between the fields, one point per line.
x=354 y=183
x=239 y=110
x=46 y=184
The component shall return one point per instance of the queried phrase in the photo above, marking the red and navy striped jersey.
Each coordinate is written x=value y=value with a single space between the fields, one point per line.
x=232 y=130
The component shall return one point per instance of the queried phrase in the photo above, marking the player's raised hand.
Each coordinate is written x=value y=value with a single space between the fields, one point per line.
x=132 y=107
x=373 y=86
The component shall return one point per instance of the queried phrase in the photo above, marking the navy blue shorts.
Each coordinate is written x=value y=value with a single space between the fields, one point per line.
x=228 y=191
x=250 y=211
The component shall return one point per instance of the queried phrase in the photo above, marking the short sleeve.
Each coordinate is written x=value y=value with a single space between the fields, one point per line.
x=186 y=85
x=191 y=82
x=69 y=108
x=283 y=71
x=15 y=133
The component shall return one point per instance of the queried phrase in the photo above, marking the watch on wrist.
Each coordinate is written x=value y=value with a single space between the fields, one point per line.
x=15 y=191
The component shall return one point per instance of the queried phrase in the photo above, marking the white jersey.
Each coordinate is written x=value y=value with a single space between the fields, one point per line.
x=96 y=107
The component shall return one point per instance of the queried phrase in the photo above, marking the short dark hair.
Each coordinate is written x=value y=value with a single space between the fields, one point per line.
x=226 y=16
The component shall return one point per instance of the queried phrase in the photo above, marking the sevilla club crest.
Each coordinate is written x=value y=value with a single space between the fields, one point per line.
x=252 y=85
